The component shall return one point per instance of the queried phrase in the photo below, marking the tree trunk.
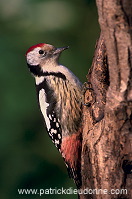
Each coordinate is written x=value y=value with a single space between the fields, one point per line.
x=107 y=110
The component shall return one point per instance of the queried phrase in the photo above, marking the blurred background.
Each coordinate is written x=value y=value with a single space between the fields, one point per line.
x=28 y=159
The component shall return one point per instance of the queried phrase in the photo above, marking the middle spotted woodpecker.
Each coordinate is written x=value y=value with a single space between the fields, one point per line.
x=59 y=94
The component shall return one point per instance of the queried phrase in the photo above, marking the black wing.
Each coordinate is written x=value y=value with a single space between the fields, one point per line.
x=51 y=120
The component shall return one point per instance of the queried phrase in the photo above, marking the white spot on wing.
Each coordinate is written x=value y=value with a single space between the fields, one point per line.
x=54 y=119
x=53 y=131
x=50 y=117
x=43 y=107
x=57 y=124
x=50 y=134
x=56 y=141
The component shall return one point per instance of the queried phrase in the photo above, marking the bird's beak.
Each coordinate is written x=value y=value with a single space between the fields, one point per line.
x=59 y=50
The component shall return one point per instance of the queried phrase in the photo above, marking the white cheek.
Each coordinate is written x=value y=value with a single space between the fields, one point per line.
x=33 y=57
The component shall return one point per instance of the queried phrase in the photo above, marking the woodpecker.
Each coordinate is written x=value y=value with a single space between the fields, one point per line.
x=59 y=94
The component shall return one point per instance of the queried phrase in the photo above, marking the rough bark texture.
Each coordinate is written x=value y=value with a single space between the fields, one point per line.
x=107 y=121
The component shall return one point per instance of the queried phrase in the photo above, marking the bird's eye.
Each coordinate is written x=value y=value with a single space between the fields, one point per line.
x=41 y=52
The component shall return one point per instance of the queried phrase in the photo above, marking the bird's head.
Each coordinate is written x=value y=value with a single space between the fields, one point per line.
x=42 y=54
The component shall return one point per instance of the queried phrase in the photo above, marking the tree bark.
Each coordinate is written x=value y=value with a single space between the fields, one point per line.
x=107 y=110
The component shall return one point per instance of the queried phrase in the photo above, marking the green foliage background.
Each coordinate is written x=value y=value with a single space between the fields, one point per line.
x=28 y=158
